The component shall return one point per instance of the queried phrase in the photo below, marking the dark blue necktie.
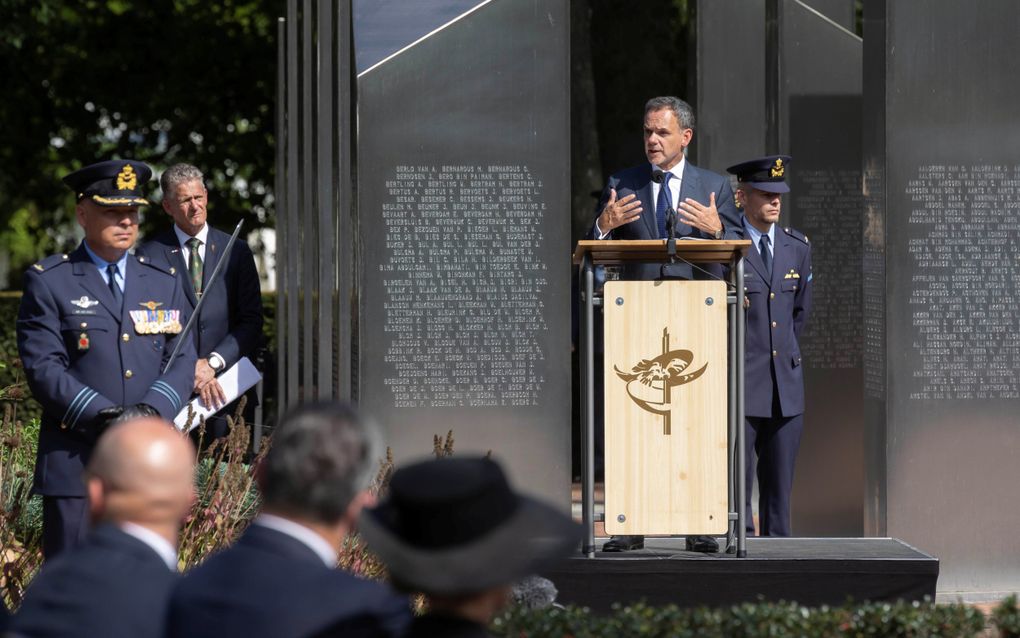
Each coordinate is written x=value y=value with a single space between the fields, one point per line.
x=663 y=204
x=118 y=296
x=766 y=256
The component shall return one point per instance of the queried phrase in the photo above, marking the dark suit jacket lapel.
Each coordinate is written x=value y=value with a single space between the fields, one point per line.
x=690 y=187
x=213 y=249
x=754 y=258
x=92 y=281
x=644 y=194
x=781 y=258
x=175 y=258
x=135 y=288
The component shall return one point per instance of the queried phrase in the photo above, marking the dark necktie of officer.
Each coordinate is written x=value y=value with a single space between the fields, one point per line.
x=662 y=204
x=195 y=264
x=118 y=296
x=766 y=256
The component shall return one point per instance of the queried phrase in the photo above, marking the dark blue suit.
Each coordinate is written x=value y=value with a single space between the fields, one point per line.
x=230 y=323
x=81 y=355
x=696 y=184
x=269 y=584
x=113 y=585
x=774 y=376
x=433 y=625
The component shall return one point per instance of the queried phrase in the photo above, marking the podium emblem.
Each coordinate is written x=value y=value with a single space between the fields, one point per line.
x=650 y=383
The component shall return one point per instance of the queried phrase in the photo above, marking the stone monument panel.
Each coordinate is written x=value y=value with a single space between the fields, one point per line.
x=463 y=210
x=729 y=83
x=820 y=127
x=942 y=146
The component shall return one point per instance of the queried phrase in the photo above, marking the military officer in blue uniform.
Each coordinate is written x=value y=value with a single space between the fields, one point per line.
x=777 y=292
x=95 y=331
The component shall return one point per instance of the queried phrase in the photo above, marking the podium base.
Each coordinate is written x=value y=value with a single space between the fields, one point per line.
x=811 y=571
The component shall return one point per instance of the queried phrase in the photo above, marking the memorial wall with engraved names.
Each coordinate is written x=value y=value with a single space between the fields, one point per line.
x=463 y=212
x=464 y=283
x=964 y=241
x=942 y=355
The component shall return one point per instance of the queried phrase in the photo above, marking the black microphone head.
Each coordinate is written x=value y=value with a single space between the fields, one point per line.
x=658 y=176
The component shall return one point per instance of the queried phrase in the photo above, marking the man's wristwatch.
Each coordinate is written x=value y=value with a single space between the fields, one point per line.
x=216 y=362
x=718 y=234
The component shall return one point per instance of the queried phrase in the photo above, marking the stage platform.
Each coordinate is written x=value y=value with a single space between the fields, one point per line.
x=810 y=571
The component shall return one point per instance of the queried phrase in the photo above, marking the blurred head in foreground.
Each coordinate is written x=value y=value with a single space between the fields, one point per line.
x=454 y=530
x=142 y=472
x=280 y=577
x=319 y=468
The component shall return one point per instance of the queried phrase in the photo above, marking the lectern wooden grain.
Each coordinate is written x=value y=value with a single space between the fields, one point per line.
x=673 y=393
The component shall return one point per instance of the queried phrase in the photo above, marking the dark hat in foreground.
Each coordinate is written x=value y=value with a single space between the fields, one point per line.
x=765 y=173
x=111 y=183
x=454 y=526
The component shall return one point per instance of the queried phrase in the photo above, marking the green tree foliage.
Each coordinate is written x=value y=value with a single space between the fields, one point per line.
x=162 y=81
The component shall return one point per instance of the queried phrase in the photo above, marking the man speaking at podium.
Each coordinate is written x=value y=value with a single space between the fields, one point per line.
x=639 y=202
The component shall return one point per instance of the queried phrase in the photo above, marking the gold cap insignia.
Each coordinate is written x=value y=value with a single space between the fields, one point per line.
x=151 y=305
x=778 y=169
x=126 y=178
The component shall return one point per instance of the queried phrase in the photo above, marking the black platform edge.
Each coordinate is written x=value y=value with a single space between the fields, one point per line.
x=810 y=571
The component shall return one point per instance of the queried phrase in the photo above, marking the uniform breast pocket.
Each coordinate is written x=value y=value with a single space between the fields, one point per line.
x=82 y=332
x=753 y=287
x=791 y=285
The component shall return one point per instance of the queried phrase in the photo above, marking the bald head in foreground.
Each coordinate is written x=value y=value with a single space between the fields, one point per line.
x=280 y=579
x=140 y=485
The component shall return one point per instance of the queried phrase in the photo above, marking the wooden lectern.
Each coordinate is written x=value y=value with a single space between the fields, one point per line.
x=673 y=393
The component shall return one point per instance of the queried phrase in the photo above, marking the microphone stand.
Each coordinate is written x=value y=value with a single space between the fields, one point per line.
x=671 y=219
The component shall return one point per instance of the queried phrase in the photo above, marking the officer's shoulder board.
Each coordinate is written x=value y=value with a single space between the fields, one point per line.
x=796 y=234
x=48 y=263
x=156 y=264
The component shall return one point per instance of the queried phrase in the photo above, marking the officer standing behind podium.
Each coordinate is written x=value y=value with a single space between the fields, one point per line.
x=635 y=204
x=777 y=289
x=95 y=330
x=229 y=325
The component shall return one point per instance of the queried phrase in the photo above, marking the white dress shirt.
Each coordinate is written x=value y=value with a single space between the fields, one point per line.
x=183 y=237
x=675 y=181
x=302 y=534
x=755 y=236
x=160 y=545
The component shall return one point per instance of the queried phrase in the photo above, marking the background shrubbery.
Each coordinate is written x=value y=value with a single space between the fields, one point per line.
x=765 y=620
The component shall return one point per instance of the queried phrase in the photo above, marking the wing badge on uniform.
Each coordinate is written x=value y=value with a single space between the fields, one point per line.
x=84 y=302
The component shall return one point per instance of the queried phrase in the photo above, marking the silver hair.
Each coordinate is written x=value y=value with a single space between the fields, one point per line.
x=682 y=110
x=179 y=174
x=534 y=592
x=322 y=455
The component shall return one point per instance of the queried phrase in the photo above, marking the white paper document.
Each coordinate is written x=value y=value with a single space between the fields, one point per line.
x=236 y=381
